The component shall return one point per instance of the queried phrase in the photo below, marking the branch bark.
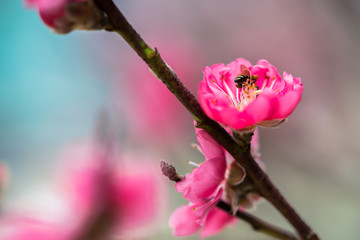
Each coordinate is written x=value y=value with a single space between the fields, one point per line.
x=169 y=78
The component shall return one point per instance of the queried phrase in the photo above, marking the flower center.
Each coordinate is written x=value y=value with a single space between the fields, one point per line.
x=246 y=90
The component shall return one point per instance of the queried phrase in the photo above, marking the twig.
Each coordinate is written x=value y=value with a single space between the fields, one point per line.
x=256 y=223
x=169 y=78
x=259 y=225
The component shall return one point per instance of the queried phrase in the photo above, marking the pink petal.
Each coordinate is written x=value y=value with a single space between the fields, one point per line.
x=209 y=147
x=272 y=71
x=287 y=103
x=185 y=186
x=203 y=181
x=235 y=119
x=182 y=221
x=235 y=66
x=135 y=199
x=215 y=222
x=261 y=108
x=261 y=72
x=50 y=11
x=202 y=209
x=208 y=177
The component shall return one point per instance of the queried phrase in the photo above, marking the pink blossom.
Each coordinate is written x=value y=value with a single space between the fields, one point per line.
x=258 y=97
x=138 y=197
x=154 y=114
x=63 y=16
x=130 y=187
x=94 y=181
x=183 y=222
x=218 y=178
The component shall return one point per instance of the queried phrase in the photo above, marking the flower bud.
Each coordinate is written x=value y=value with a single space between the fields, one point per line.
x=63 y=16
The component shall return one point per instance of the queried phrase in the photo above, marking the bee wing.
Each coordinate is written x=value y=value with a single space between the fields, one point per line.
x=244 y=70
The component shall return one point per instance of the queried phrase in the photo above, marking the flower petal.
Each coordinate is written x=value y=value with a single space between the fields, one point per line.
x=182 y=221
x=209 y=147
x=201 y=210
x=202 y=182
x=287 y=103
x=208 y=177
x=215 y=222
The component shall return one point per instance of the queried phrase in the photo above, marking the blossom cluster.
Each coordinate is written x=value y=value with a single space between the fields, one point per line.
x=218 y=178
x=240 y=96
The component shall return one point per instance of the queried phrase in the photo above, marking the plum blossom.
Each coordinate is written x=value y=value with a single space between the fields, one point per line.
x=241 y=95
x=63 y=16
x=218 y=178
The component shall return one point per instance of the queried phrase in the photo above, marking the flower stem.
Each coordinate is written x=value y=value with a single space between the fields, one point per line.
x=169 y=78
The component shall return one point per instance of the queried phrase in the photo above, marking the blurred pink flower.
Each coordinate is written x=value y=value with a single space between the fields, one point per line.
x=241 y=96
x=123 y=195
x=23 y=228
x=129 y=187
x=155 y=115
x=63 y=16
x=138 y=197
x=219 y=177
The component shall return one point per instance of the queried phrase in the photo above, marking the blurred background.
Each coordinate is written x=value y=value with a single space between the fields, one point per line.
x=53 y=88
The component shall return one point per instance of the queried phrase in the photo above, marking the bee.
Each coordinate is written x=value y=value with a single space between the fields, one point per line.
x=245 y=77
x=241 y=79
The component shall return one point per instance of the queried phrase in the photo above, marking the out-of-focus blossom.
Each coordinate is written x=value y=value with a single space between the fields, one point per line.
x=24 y=228
x=129 y=187
x=63 y=16
x=138 y=197
x=155 y=115
x=241 y=95
x=219 y=177
x=119 y=196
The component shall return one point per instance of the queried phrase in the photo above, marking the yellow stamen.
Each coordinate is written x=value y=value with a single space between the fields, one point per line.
x=253 y=93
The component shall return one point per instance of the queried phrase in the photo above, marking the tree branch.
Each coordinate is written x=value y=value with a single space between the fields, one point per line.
x=169 y=78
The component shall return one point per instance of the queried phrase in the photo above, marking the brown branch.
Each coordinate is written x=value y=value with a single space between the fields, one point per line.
x=169 y=78
x=256 y=223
